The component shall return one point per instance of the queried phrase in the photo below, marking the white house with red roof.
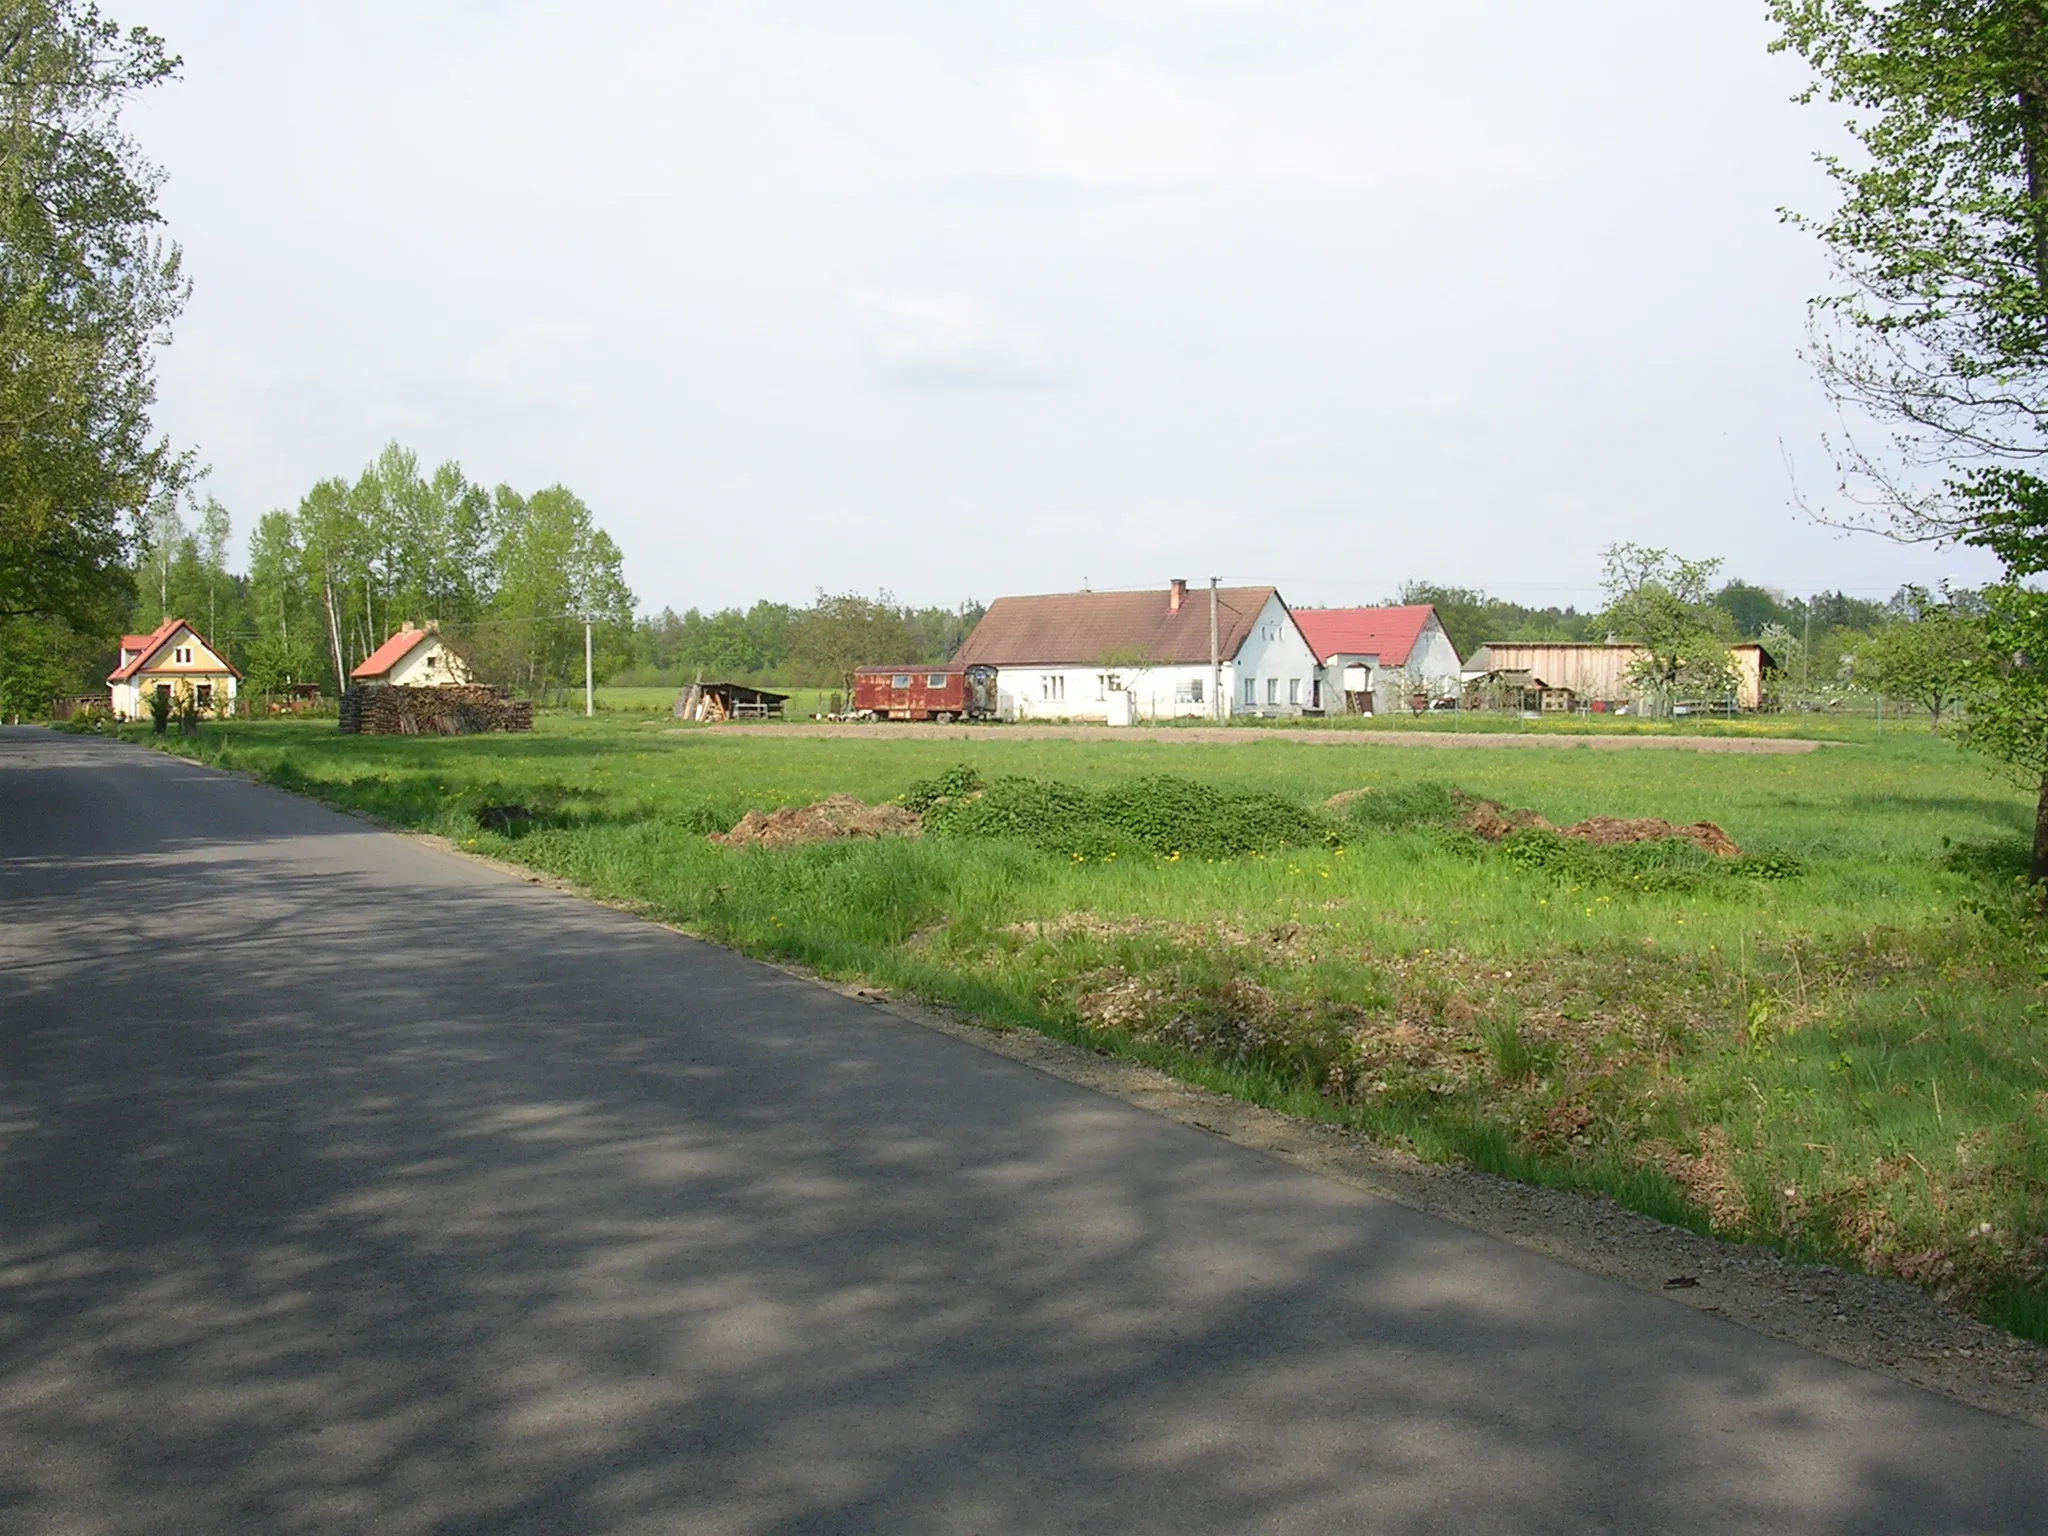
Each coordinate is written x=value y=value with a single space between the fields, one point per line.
x=413 y=658
x=174 y=661
x=1376 y=660
x=1122 y=657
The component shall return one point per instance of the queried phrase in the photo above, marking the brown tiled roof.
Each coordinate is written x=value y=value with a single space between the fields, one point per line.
x=1085 y=628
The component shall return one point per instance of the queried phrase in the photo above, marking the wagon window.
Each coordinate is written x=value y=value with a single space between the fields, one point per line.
x=900 y=680
x=935 y=680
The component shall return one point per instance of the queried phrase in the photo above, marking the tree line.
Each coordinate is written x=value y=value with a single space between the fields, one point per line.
x=510 y=576
x=814 y=646
x=506 y=576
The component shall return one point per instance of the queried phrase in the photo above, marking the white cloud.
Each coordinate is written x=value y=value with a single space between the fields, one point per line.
x=946 y=341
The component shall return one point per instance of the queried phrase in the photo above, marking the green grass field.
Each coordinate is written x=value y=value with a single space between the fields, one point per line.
x=1837 y=1044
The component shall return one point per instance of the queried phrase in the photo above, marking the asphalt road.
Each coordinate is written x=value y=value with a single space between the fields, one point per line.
x=346 y=1185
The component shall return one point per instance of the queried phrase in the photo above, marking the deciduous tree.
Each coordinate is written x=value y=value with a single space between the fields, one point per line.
x=88 y=289
x=1930 y=657
x=1664 y=604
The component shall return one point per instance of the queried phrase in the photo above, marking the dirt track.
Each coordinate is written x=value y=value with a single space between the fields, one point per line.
x=1248 y=736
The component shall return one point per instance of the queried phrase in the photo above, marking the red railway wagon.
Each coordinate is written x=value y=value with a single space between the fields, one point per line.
x=925 y=693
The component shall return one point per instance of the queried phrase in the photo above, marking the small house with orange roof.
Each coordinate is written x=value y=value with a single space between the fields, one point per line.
x=1378 y=660
x=172 y=660
x=413 y=658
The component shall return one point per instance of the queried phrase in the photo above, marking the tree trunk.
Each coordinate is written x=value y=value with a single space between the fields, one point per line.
x=334 y=632
x=2039 y=868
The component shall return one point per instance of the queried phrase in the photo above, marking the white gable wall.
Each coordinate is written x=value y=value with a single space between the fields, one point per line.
x=431 y=665
x=1276 y=671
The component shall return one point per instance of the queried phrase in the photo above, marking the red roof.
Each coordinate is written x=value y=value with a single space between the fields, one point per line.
x=145 y=647
x=390 y=653
x=1388 y=633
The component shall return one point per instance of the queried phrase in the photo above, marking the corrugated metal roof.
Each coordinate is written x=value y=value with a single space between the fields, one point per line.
x=1084 y=629
x=1389 y=633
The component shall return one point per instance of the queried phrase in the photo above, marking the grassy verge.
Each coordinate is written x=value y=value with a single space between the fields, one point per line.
x=1836 y=1044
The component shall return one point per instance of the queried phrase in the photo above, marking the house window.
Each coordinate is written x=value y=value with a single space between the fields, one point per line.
x=431 y=659
x=1189 y=692
x=1294 y=690
x=1053 y=685
x=1107 y=683
x=163 y=690
x=205 y=696
x=1273 y=690
x=182 y=655
x=1251 y=691
x=900 y=680
x=935 y=680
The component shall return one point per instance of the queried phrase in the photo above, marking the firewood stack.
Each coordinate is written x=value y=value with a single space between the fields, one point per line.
x=457 y=710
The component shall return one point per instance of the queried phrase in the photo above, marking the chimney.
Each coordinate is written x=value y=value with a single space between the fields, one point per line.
x=1176 y=594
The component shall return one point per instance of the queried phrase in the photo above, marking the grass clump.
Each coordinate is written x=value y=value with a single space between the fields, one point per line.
x=1671 y=865
x=1163 y=814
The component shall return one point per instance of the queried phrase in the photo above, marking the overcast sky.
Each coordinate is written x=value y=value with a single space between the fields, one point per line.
x=961 y=298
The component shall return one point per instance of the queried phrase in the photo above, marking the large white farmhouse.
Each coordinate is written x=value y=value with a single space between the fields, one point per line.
x=1376 y=661
x=1121 y=657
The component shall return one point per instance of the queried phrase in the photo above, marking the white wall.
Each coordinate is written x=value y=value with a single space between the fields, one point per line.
x=1080 y=693
x=1276 y=661
x=1275 y=657
x=1433 y=659
x=431 y=665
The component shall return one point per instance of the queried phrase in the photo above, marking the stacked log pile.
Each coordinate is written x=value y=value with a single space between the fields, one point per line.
x=465 y=709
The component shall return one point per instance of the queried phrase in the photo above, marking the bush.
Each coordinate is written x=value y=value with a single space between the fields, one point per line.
x=1161 y=814
x=1427 y=804
x=955 y=783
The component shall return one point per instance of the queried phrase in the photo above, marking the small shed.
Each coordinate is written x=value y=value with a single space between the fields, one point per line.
x=728 y=701
x=414 y=658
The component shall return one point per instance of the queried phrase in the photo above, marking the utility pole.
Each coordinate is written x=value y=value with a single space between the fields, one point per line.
x=589 y=692
x=1806 y=659
x=1215 y=657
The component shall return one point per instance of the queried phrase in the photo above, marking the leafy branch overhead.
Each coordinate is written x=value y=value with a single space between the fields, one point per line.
x=1939 y=327
x=88 y=290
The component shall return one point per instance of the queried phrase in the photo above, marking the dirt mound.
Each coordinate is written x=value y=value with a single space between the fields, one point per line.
x=1344 y=799
x=838 y=816
x=1608 y=830
x=1487 y=820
